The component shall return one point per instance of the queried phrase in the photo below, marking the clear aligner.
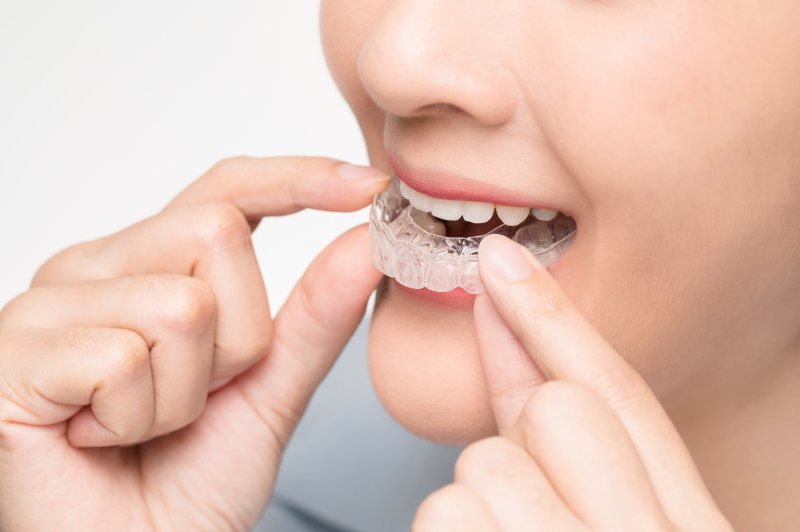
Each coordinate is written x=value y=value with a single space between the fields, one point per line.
x=417 y=258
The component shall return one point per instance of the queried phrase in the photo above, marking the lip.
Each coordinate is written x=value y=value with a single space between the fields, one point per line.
x=449 y=186
x=458 y=299
x=446 y=185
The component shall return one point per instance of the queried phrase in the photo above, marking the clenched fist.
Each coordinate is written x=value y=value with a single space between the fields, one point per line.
x=144 y=383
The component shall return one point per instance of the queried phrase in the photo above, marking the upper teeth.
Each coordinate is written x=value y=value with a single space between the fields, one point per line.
x=472 y=211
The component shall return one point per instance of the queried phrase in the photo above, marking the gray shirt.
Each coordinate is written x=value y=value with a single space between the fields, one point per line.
x=349 y=465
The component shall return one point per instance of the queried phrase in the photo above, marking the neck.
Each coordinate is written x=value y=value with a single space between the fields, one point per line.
x=746 y=448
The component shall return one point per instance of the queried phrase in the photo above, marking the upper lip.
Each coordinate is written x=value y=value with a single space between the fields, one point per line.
x=442 y=184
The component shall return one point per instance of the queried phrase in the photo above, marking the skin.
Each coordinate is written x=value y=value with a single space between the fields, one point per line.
x=670 y=131
x=610 y=393
x=565 y=403
x=106 y=415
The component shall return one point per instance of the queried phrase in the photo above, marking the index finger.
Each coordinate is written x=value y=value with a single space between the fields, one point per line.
x=276 y=186
x=565 y=346
x=204 y=233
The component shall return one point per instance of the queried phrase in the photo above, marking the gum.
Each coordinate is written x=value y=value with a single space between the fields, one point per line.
x=416 y=258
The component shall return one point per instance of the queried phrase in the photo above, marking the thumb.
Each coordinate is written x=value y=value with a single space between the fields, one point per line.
x=311 y=329
x=509 y=371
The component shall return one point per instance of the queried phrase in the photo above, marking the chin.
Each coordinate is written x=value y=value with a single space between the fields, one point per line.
x=424 y=365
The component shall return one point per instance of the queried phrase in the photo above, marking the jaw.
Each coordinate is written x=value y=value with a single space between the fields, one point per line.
x=425 y=368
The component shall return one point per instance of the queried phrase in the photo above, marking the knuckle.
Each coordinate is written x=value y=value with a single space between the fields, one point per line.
x=75 y=338
x=621 y=387
x=307 y=166
x=483 y=457
x=553 y=402
x=7 y=314
x=72 y=264
x=548 y=396
x=47 y=272
x=437 y=510
x=187 y=303
x=559 y=411
x=228 y=166
x=543 y=301
x=24 y=305
x=222 y=224
x=126 y=353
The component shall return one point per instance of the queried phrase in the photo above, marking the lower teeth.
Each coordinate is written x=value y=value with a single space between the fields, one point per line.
x=410 y=246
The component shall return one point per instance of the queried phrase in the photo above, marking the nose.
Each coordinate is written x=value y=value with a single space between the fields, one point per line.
x=431 y=56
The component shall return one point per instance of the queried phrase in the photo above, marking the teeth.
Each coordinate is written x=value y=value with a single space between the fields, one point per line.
x=422 y=202
x=447 y=209
x=512 y=215
x=405 y=190
x=544 y=215
x=472 y=211
x=478 y=212
x=417 y=199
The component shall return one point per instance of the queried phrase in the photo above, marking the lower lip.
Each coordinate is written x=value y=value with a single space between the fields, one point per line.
x=458 y=299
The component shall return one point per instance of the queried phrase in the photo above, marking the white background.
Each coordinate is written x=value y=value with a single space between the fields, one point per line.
x=108 y=109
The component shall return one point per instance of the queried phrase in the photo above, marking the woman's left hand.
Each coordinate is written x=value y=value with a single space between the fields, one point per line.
x=583 y=444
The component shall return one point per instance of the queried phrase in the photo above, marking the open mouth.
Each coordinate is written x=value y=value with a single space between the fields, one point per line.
x=473 y=218
x=427 y=242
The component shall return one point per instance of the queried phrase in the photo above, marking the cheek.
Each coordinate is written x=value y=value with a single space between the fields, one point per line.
x=675 y=121
x=426 y=371
x=671 y=139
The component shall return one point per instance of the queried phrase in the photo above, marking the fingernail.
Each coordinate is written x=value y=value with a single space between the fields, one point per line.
x=353 y=172
x=504 y=258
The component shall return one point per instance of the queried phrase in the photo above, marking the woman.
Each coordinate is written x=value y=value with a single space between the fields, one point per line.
x=647 y=381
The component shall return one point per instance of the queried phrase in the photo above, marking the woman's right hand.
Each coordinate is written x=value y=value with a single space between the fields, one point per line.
x=107 y=363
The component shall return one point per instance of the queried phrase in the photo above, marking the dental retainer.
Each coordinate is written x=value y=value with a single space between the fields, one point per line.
x=417 y=258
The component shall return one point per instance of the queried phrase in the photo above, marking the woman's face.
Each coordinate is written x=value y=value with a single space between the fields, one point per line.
x=669 y=130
